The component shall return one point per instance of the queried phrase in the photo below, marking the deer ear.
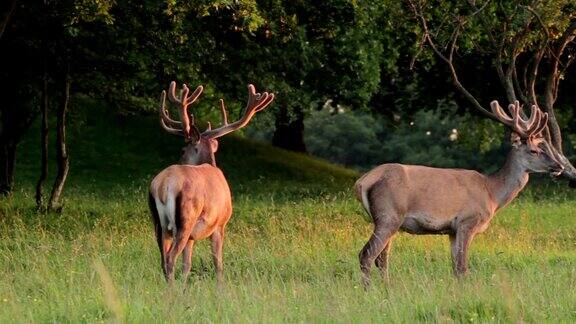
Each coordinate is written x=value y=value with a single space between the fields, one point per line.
x=515 y=139
x=214 y=145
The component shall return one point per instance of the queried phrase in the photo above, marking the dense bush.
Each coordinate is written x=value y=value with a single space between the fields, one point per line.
x=436 y=136
x=349 y=138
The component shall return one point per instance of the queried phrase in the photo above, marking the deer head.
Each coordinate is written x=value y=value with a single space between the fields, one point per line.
x=529 y=144
x=201 y=146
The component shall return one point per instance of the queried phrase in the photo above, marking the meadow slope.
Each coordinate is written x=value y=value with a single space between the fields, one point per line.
x=290 y=253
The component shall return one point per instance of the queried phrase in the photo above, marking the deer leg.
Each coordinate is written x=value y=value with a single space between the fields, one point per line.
x=165 y=244
x=164 y=241
x=383 y=232
x=217 y=244
x=453 y=250
x=460 y=245
x=163 y=238
x=382 y=260
x=187 y=260
x=182 y=237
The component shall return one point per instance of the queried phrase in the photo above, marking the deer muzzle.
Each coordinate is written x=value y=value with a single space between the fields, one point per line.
x=569 y=173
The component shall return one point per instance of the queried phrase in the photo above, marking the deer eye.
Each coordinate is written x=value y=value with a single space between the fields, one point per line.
x=534 y=152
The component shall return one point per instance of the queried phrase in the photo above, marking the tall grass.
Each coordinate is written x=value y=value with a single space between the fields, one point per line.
x=290 y=252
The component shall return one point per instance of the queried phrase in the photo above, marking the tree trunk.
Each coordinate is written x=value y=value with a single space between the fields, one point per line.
x=43 y=143
x=6 y=10
x=8 y=159
x=553 y=128
x=15 y=120
x=61 y=152
x=289 y=134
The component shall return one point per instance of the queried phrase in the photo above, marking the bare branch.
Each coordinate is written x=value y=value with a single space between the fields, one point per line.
x=516 y=83
x=6 y=11
x=511 y=74
x=477 y=10
x=420 y=48
x=554 y=77
x=524 y=78
x=544 y=27
x=455 y=35
x=533 y=74
x=562 y=72
x=506 y=77
x=567 y=37
x=472 y=4
x=449 y=60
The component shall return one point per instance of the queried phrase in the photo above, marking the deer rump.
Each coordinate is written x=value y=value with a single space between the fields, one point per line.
x=189 y=195
x=424 y=200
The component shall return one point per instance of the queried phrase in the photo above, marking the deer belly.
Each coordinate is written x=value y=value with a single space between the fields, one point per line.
x=420 y=223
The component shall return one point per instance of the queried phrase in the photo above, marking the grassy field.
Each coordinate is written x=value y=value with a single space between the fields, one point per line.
x=291 y=248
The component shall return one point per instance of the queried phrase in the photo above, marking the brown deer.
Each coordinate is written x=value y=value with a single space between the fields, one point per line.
x=191 y=201
x=460 y=203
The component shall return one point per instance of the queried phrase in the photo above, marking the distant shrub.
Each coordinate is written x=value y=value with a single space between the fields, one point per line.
x=349 y=138
x=440 y=137
x=436 y=136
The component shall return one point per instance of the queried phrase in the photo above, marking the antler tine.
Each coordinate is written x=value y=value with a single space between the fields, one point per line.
x=499 y=113
x=165 y=116
x=531 y=126
x=535 y=115
x=172 y=93
x=223 y=112
x=192 y=98
x=512 y=120
x=543 y=123
x=518 y=123
x=535 y=123
x=185 y=128
x=184 y=101
x=266 y=102
x=171 y=126
x=540 y=124
x=256 y=102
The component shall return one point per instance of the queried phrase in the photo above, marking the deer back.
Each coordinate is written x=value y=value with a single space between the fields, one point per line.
x=413 y=189
x=203 y=187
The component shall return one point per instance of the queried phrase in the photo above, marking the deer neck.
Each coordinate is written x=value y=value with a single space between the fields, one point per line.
x=206 y=154
x=204 y=157
x=207 y=158
x=211 y=159
x=506 y=183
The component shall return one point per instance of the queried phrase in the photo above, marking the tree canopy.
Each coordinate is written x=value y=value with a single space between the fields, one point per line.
x=387 y=58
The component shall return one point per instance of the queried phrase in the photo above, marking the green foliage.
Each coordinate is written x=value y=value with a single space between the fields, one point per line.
x=307 y=52
x=90 y=11
x=348 y=138
x=426 y=139
x=481 y=134
x=497 y=47
x=507 y=18
x=442 y=138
